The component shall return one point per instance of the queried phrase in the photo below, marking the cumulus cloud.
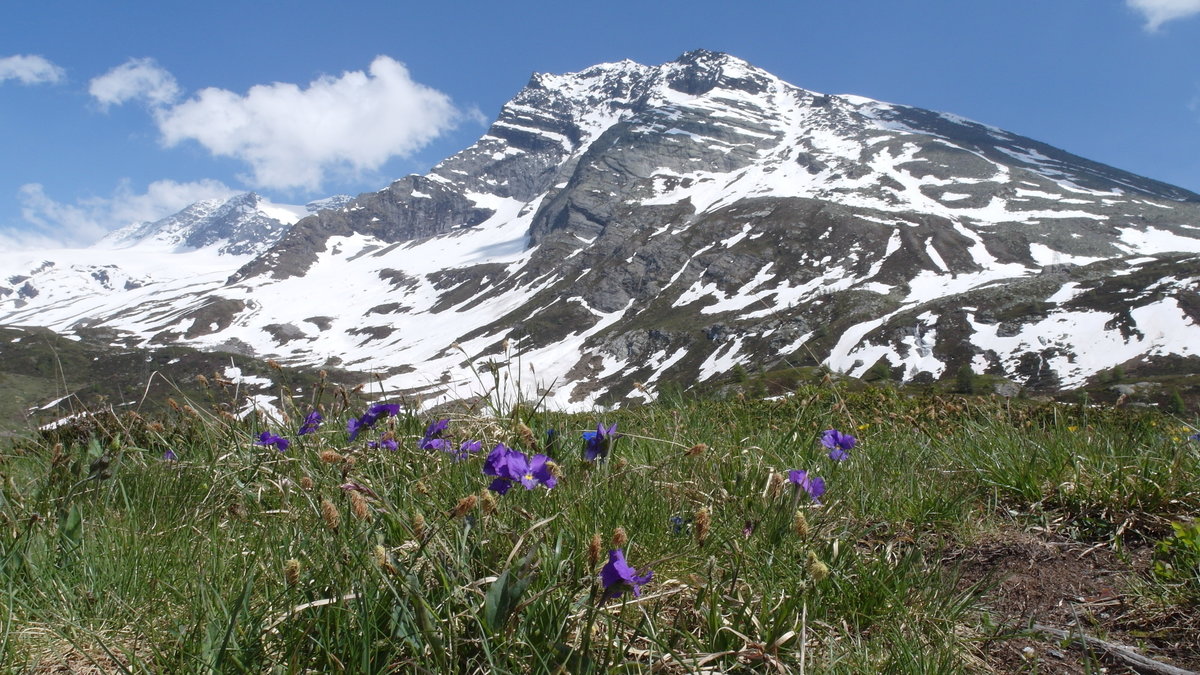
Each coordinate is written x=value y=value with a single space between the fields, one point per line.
x=30 y=69
x=294 y=137
x=58 y=224
x=136 y=79
x=1158 y=12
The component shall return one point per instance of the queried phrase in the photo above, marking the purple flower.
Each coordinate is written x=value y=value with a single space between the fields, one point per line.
x=838 y=443
x=599 y=442
x=814 y=486
x=357 y=487
x=433 y=437
x=369 y=418
x=497 y=461
x=679 y=524
x=435 y=444
x=267 y=438
x=513 y=466
x=466 y=449
x=311 y=422
x=357 y=425
x=618 y=577
x=384 y=410
x=170 y=456
x=536 y=472
x=435 y=429
x=386 y=444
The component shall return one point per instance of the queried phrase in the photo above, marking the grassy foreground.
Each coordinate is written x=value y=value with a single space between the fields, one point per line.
x=954 y=526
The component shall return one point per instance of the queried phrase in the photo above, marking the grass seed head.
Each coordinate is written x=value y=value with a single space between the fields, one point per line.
x=358 y=506
x=418 y=526
x=291 y=572
x=593 y=551
x=776 y=485
x=526 y=435
x=464 y=506
x=703 y=521
x=330 y=457
x=800 y=525
x=330 y=514
x=818 y=570
x=383 y=560
x=619 y=538
x=487 y=502
x=306 y=483
x=697 y=449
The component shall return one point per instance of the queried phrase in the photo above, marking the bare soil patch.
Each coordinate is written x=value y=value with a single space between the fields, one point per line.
x=1041 y=578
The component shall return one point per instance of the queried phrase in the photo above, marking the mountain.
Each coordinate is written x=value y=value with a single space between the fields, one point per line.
x=627 y=226
x=195 y=248
x=244 y=224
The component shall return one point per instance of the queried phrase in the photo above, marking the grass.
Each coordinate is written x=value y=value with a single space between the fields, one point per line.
x=238 y=558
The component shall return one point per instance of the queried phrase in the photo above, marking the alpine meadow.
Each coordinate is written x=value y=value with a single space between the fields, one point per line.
x=677 y=369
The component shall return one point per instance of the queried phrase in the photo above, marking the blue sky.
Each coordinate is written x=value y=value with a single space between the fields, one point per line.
x=118 y=112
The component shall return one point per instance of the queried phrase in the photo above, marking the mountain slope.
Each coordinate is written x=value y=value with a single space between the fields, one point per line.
x=630 y=225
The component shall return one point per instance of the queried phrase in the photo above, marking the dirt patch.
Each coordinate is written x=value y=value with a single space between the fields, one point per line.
x=1040 y=578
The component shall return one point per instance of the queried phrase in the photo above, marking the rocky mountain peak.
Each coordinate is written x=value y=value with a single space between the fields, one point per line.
x=239 y=225
x=700 y=71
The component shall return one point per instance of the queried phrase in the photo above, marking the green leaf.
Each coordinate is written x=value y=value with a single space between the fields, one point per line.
x=70 y=529
x=504 y=595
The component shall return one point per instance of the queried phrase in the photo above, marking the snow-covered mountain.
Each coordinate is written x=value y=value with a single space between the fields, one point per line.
x=241 y=225
x=630 y=225
x=195 y=248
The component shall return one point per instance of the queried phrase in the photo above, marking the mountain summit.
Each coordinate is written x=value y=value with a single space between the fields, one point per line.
x=630 y=225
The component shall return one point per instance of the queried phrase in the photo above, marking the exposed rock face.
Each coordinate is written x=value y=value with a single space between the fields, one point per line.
x=634 y=224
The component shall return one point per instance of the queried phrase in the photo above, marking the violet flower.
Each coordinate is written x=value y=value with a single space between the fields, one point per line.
x=384 y=410
x=513 y=466
x=356 y=425
x=433 y=437
x=814 y=486
x=838 y=443
x=311 y=422
x=386 y=444
x=466 y=449
x=599 y=442
x=267 y=438
x=618 y=576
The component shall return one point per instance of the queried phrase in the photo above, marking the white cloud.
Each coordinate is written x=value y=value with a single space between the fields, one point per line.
x=135 y=79
x=1158 y=12
x=294 y=137
x=64 y=225
x=30 y=69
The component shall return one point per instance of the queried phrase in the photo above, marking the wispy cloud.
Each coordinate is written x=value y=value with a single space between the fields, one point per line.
x=1158 y=12
x=30 y=69
x=136 y=79
x=292 y=136
x=69 y=225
